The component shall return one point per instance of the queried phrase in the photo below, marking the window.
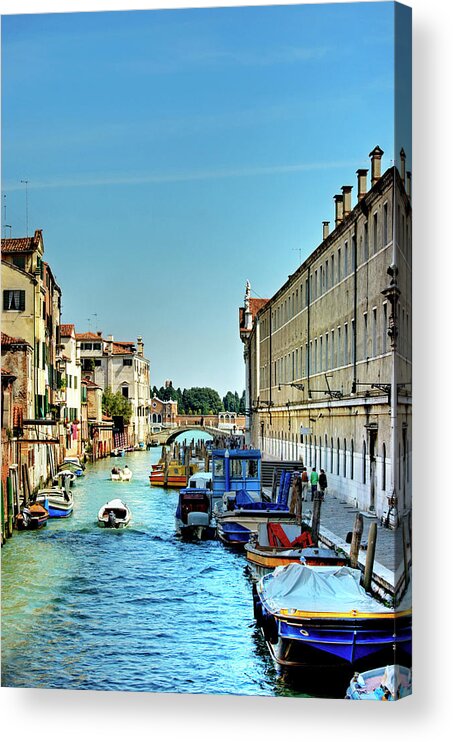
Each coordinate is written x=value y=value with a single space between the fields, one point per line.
x=75 y=382
x=97 y=362
x=344 y=458
x=374 y=331
x=364 y=463
x=339 y=264
x=346 y=344
x=338 y=457
x=236 y=468
x=332 y=269
x=327 y=351
x=352 y=459
x=19 y=261
x=86 y=346
x=384 y=329
x=384 y=478
x=331 y=455
x=339 y=360
x=321 y=358
x=316 y=285
x=353 y=340
x=127 y=361
x=14 y=300
x=365 y=335
x=375 y=233
x=365 y=241
x=326 y=274
x=125 y=391
x=315 y=359
x=332 y=348
x=96 y=346
x=386 y=221
x=345 y=259
x=251 y=469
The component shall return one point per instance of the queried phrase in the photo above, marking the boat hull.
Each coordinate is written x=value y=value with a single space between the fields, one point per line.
x=236 y=527
x=262 y=561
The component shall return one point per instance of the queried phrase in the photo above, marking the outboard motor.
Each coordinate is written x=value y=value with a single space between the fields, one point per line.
x=111 y=523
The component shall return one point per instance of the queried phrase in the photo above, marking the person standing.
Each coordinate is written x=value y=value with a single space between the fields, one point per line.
x=304 y=480
x=314 y=478
x=322 y=483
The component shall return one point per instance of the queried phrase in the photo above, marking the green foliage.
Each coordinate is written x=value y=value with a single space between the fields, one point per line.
x=202 y=399
x=116 y=404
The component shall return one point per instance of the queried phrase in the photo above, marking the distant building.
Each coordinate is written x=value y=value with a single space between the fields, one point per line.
x=329 y=356
x=121 y=366
x=163 y=414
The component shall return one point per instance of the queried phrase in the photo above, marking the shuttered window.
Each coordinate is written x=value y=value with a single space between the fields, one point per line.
x=14 y=300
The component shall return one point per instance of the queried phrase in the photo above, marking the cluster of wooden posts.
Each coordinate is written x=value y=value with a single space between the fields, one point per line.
x=183 y=453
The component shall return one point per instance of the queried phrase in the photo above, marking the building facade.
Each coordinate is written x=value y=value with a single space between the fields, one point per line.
x=122 y=367
x=328 y=357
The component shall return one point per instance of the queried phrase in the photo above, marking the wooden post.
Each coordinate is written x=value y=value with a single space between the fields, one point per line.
x=406 y=566
x=9 y=507
x=25 y=485
x=316 y=518
x=186 y=463
x=274 y=484
x=356 y=539
x=370 y=552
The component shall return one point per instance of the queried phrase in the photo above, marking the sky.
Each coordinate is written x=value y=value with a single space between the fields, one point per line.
x=171 y=155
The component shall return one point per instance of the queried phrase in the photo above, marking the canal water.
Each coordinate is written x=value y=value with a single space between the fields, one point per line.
x=134 y=609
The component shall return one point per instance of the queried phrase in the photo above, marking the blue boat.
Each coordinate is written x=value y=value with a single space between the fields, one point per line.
x=194 y=514
x=60 y=503
x=316 y=616
x=239 y=506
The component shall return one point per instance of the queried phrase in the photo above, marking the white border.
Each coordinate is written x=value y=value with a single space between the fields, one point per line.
x=48 y=715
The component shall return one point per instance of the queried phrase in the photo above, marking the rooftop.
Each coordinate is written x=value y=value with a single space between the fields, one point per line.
x=7 y=340
x=22 y=244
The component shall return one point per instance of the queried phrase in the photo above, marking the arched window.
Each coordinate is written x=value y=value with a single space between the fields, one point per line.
x=384 y=482
x=338 y=457
x=364 y=463
x=352 y=459
x=325 y=452
x=344 y=458
x=331 y=449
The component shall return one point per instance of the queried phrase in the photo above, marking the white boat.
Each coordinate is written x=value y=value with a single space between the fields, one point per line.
x=60 y=503
x=388 y=683
x=64 y=479
x=121 y=475
x=114 y=514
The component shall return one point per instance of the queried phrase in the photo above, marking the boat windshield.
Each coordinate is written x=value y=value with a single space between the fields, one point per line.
x=219 y=467
x=251 y=469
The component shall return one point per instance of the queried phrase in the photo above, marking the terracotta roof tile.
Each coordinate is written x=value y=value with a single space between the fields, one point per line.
x=21 y=244
x=255 y=306
x=8 y=340
x=67 y=330
x=89 y=336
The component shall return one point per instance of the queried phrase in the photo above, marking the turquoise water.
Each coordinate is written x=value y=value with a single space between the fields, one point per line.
x=134 y=609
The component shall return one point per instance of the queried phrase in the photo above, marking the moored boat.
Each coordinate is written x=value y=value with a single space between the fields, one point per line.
x=173 y=475
x=240 y=507
x=73 y=467
x=60 y=502
x=388 y=683
x=194 y=517
x=33 y=517
x=323 y=616
x=117 y=452
x=278 y=544
x=114 y=514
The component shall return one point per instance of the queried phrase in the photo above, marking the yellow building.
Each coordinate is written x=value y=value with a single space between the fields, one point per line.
x=328 y=357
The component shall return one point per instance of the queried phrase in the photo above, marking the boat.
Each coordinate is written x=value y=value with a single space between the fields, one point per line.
x=322 y=616
x=121 y=475
x=32 y=517
x=114 y=514
x=194 y=514
x=72 y=467
x=60 y=502
x=75 y=461
x=117 y=452
x=175 y=475
x=278 y=544
x=388 y=683
x=239 y=506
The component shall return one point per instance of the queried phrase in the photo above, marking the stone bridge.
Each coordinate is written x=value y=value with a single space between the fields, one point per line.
x=169 y=435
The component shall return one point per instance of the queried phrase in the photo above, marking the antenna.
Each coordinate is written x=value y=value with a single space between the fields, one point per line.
x=299 y=250
x=10 y=228
x=26 y=202
x=4 y=209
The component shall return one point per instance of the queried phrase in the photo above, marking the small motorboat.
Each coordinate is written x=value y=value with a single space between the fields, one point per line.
x=388 y=683
x=114 y=514
x=194 y=516
x=32 y=517
x=71 y=466
x=74 y=460
x=117 y=452
x=60 y=502
x=121 y=475
x=278 y=544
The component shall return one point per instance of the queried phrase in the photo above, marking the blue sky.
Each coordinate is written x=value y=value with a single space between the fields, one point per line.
x=171 y=155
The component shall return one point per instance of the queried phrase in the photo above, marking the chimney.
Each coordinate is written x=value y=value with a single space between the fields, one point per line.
x=338 y=209
x=110 y=344
x=376 y=155
x=403 y=165
x=346 y=200
x=325 y=230
x=361 y=183
x=409 y=184
x=140 y=346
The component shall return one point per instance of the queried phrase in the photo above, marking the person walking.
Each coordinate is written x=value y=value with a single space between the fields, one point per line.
x=322 y=483
x=314 y=478
x=304 y=480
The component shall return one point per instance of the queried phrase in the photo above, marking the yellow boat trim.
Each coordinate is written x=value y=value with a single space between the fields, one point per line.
x=349 y=614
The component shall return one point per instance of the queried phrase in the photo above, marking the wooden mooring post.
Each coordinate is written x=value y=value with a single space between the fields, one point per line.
x=316 y=518
x=356 y=539
x=370 y=553
x=274 y=484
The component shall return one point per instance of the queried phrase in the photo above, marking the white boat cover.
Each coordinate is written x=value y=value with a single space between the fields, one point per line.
x=113 y=504
x=318 y=589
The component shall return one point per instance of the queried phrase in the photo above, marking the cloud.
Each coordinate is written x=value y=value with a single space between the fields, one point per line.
x=93 y=180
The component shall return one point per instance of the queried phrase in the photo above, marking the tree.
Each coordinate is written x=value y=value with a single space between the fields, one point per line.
x=242 y=404
x=202 y=399
x=116 y=404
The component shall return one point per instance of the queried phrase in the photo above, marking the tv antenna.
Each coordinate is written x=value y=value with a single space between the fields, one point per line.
x=299 y=250
x=26 y=203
